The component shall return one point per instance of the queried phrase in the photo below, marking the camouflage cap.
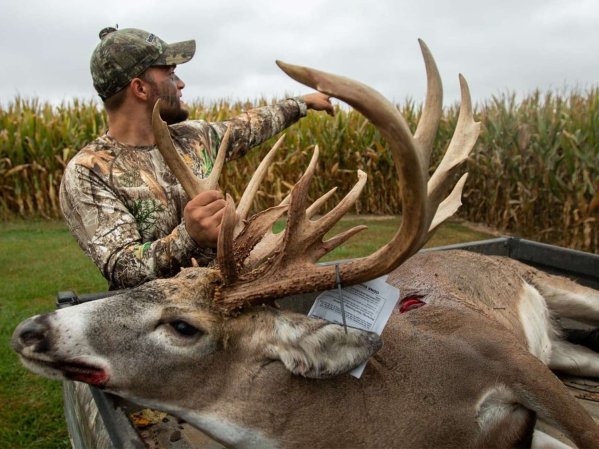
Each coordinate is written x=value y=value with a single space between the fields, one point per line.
x=124 y=54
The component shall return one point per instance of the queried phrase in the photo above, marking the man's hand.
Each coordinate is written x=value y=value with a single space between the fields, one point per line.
x=203 y=215
x=319 y=102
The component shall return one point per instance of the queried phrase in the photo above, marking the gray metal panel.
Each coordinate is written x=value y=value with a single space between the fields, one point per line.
x=118 y=426
x=86 y=426
x=567 y=262
x=492 y=247
x=95 y=420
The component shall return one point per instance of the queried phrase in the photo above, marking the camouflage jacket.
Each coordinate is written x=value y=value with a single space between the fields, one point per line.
x=125 y=208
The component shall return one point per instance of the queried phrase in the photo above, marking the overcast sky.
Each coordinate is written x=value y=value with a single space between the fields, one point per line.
x=500 y=46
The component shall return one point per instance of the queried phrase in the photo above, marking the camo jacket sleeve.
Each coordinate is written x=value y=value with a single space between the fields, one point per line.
x=125 y=208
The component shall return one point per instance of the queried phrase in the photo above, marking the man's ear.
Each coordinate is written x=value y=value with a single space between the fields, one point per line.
x=314 y=348
x=139 y=89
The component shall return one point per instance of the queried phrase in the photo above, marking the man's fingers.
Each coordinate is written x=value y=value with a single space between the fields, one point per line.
x=319 y=102
x=330 y=109
x=207 y=197
x=207 y=209
x=209 y=216
x=218 y=215
x=328 y=106
x=203 y=222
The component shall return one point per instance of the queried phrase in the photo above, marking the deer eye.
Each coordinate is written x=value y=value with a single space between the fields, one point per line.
x=184 y=328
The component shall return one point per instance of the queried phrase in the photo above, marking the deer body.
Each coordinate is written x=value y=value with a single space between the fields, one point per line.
x=458 y=372
x=467 y=369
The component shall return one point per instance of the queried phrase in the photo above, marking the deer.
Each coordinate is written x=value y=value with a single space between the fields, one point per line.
x=465 y=360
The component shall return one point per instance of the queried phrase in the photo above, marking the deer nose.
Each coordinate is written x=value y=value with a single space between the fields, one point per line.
x=31 y=333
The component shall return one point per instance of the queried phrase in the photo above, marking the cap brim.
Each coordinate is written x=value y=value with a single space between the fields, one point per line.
x=177 y=53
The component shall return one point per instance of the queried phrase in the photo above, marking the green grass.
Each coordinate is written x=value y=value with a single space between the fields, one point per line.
x=40 y=258
x=37 y=260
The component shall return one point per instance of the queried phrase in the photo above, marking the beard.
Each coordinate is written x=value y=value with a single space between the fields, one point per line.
x=172 y=109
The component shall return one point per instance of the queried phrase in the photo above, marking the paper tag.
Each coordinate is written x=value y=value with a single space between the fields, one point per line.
x=368 y=306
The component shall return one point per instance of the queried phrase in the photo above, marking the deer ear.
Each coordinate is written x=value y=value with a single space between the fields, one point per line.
x=318 y=349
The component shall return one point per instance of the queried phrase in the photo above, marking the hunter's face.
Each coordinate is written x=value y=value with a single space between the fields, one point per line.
x=167 y=86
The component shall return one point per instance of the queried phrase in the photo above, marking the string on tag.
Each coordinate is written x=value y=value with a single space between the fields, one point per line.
x=341 y=302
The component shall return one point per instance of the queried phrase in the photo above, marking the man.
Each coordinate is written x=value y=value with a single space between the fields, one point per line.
x=119 y=199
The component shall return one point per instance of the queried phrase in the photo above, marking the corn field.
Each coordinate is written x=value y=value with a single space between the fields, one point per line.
x=533 y=173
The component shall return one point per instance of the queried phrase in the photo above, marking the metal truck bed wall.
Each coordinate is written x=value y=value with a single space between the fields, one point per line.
x=97 y=420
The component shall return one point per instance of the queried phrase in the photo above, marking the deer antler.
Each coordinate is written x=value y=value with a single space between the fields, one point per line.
x=259 y=266
x=292 y=268
x=190 y=183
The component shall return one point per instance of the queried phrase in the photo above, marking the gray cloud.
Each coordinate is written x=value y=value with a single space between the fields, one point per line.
x=499 y=46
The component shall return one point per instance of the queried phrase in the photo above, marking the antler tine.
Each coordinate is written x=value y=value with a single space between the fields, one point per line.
x=294 y=270
x=297 y=206
x=326 y=222
x=245 y=203
x=211 y=182
x=303 y=237
x=188 y=180
x=232 y=250
x=224 y=252
x=340 y=239
x=449 y=205
x=182 y=172
x=433 y=106
x=271 y=242
x=461 y=144
x=317 y=205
